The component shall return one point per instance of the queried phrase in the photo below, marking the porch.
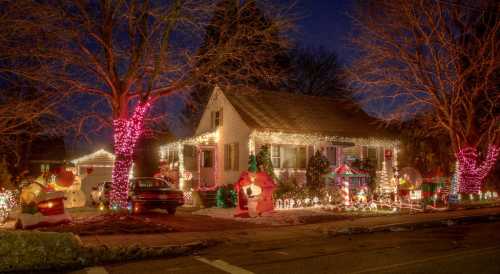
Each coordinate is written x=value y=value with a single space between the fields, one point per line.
x=290 y=152
x=191 y=162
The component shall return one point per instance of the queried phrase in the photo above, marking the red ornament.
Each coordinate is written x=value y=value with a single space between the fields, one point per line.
x=90 y=170
x=65 y=178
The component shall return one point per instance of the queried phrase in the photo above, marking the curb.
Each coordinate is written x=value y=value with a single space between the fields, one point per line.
x=402 y=227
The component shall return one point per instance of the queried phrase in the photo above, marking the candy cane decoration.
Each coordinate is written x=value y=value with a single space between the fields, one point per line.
x=345 y=193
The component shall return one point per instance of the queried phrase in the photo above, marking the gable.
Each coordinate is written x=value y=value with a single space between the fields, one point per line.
x=217 y=102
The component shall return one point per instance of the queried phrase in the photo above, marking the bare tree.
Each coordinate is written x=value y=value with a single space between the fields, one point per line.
x=131 y=53
x=28 y=107
x=439 y=60
x=317 y=72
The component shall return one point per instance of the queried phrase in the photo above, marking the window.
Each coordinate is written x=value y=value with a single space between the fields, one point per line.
x=216 y=117
x=289 y=157
x=275 y=156
x=207 y=159
x=231 y=156
x=293 y=157
x=44 y=168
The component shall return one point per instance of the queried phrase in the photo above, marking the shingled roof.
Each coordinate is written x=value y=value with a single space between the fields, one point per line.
x=293 y=113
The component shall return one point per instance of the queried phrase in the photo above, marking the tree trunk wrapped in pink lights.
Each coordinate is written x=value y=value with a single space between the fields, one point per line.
x=126 y=134
x=472 y=172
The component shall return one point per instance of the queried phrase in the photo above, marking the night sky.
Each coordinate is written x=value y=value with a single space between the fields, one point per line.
x=325 y=23
x=321 y=23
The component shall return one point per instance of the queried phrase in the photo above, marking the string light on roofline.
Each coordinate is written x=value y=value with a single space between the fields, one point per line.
x=279 y=137
x=204 y=138
x=93 y=155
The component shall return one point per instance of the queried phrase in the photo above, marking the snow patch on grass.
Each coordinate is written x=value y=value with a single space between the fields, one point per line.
x=277 y=217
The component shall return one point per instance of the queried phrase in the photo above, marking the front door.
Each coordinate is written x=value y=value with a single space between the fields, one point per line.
x=207 y=166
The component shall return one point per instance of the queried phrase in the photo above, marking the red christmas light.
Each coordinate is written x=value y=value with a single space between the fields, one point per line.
x=126 y=134
x=472 y=174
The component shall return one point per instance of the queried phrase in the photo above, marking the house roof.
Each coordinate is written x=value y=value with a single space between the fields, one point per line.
x=293 y=113
x=100 y=157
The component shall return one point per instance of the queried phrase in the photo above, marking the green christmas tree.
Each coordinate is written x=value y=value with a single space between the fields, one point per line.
x=252 y=164
x=264 y=161
x=317 y=168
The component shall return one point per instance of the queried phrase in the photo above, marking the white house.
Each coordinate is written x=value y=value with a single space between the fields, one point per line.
x=235 y=124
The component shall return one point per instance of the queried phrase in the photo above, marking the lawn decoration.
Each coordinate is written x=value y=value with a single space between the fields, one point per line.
x=41 y=207
x=255 y=192
x=434 y=187
x=350 y=181
x=409 y=184
x=7 y=203
x=65 y=178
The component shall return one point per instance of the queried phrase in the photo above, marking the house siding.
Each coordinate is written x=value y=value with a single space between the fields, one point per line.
x=233 y=130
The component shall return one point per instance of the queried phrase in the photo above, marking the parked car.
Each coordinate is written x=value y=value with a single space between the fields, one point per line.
x=151 y=193
x=100 y=193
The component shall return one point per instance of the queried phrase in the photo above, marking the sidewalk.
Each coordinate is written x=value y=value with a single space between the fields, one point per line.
x=286 y=232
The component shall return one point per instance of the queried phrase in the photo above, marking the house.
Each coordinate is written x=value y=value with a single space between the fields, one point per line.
x=94 y=168
x=235 y=124
x=45 y=154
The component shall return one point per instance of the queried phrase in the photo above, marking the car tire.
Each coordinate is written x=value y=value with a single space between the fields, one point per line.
x=171 y=210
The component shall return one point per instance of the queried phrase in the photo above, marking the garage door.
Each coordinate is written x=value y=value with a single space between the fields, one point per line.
x=99 y=174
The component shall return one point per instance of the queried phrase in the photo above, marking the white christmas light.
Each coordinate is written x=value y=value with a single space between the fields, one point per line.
x=278 y=137
x=100 y=152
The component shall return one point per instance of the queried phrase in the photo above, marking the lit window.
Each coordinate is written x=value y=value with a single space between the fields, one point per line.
x=216 y=118
x=275 y=156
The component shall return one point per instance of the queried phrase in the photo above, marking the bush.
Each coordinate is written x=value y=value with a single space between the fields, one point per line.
x=264 y=162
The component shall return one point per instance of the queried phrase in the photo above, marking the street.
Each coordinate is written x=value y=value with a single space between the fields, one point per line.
x=456 y=249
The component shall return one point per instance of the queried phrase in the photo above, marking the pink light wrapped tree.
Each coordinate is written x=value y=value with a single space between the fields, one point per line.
x=473 y=172
x=127 y=132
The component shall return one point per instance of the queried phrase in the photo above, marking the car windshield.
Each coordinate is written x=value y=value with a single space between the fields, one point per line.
x=151 y=184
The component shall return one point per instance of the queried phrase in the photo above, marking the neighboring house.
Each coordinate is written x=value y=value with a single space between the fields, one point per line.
x=45 y=154
x=94 y=168
x=235 y=124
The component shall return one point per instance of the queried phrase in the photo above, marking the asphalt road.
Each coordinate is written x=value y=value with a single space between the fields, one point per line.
x=457 y=249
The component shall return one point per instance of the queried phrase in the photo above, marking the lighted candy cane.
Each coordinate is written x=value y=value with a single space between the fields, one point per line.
x=345 y=193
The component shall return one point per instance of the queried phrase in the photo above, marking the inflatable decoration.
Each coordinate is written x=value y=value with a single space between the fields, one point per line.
x=65 y=178
x=41 y=207
x=255 y=194
x=410 y=178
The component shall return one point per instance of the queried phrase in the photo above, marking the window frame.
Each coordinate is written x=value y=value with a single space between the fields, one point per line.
x=274 y=156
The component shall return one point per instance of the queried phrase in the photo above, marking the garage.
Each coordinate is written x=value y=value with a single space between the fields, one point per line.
x=94 y=168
